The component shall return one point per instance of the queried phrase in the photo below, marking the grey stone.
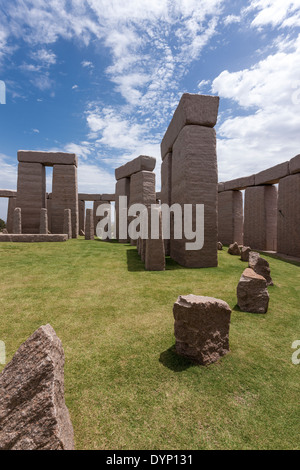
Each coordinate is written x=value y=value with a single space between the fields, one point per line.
x=272 y=175
x=245 y=253
x=47 y=158
x=234 y=249
x=155 y=249
x=34 y=238
x=294 y=165
x=289 y=216
x=141 y=163
x=68 y=223
x=17 y=223
x=44 y=222
x=239 y=183
x=89 y=225
x=8 y=193
x=260 y=266
x=252 y=292
x=230 y=217
x=65 y=196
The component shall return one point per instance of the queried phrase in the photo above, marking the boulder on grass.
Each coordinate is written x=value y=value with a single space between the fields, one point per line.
x=234 y=249
x=220 y=246
x=260 y=266
x=252 y=292
x=245 y=253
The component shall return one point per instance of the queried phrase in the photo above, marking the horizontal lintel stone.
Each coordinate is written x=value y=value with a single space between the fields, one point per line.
x=7 y=193
x=89 y=197
x=272 y=175
x=294 y=165
x=240 y=183
x=47 y=158
x=141 y=163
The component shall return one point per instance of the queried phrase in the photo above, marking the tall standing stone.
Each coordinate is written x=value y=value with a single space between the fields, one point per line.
x=81 y=208
x=89 y=225
x=12 y=201
x=17 y=223
x=64 y=196
x=98 y=218
x=155 y=249
x=166 y=190
x=230 y=217
x=44 y=222
x=68 y=223
x=142 y=191
x=122 y=189
x=289 y=216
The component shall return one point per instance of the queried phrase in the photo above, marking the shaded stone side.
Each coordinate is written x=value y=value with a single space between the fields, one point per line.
x=155 y=249
x=12 y=201
x=81 y=209
x=252 y=292
x=89 y=225
x=68 y=222
x=44 y=222
x=289 y=216
x=141 y=163
x=166 y=190
x=260 y=218
x=142 y=188
x=122 y=189
x=64 y=196
x=195 y=181
x=230 y=217
x=33 y=413
x=17 y=221
x=49 y=211
x=31 y=195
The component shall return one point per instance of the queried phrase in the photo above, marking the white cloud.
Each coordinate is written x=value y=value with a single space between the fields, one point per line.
x=275 y=12
x=95 y=179
x=230 y=19
x=87 y=64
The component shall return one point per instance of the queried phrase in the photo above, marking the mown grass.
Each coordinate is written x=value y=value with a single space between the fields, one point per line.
x=125 y=386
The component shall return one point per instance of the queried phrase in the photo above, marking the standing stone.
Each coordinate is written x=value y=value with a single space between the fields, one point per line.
x=230 y=217
x=142 y=191
x=260 y=223
x=31 y=195
x=289 y=216
x=122 y=189
x=12 y=201
x=68 y=222
x=166 y=190
x=195 y=181
x=89 y=225
x=98 y=218
x=260 y=266
x=17 y=225
x=141 y=163
x=234 y=249
x=33 y=413
x=64 y=196
x=81 y=209
x=44 y=222
x=252 y=292
x=49 y=211
x=245 y=251
x=201 y=328
x=220 y=246
x=155 y=259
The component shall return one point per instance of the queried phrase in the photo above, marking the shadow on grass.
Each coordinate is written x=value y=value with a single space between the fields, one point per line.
x=134 y=262
x=173 y=361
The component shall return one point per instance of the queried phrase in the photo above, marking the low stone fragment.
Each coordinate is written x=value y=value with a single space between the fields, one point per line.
x=234 y=249
x=260 y=266
x=252 y=292
x=245 y=253
x=17 y=222
x=220 y=246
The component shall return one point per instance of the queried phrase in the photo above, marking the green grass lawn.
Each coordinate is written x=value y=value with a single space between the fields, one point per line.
x=125 y=386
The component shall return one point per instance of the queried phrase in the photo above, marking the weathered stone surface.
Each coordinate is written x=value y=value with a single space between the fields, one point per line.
x=239 y=183
x=221 y=187
x=201 y=328
x=68 y=223
x=260 y=218
x=252 y=292
x=195 y=181
x=34 y=238
x=122 y=189
x=141 y=163
x=64 y=196
x=47 y=158
x=142 y=188
x=234 y=249
x=166 y=190
x=230 y=217
x=49 y=210
x=33 y=413
x=199 y=110
x=289 y=216
x=31 y=195
x=220 y=246
x=294 y=165
x=44 y=222
x=10 y=214
x=272 y=175
x=89 y=225
x=245 y=253
x=17 y=222
x=7 y=193
x=81 y=210
x=108 y=197
x=89 y=197
x=155 y=249
x=260 y=266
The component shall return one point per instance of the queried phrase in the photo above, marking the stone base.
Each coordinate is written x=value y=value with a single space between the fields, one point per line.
x=33 y=238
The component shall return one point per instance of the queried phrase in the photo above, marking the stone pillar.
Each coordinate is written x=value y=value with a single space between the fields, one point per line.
x=122 y=189
x=49 y=211
x=230 y=217
x=64 y=196
x=289 y=216
x=89 y=225
x=31 y=195
x=260 y=218
x=68 y=222
x=12 y=201
x=17 y=225
x=97 y=218
x=81 y=208
x=195 y=181
x=155 y=248
x=142 y=191
x=166 y=189
x=44 y=221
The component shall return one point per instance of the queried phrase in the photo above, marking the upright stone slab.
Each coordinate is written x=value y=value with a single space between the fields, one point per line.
x=155 y=249
x=33 y=413
x=252 y=292
x=260 y=218
x=44 y=222
x=289 y=216
x=122 y=189
x=64 y=196
x=195 y=181
x=68 y=222
x=166 y=189
x=17 y=221
x=230 y=217
x=89 y=225
x=31 y=195
x=201 y=328
x=49 y=211
x=98 y=218
x=12 y=201
x=81 y=208
x=142 y=188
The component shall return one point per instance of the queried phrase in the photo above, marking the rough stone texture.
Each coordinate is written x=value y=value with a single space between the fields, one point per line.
x=33 y=413
x=252 y=292
x=10 y=214
x=245 y=253
x=122 y=189
x=195 y=181
x=49 y=210
x=31 y=195
x=239 y=183
x=89 y=197
x=89 y=225
x=140 y=163
x=294 y=165
x=272 y=175
x=220 y=246
x=108 y=197
x=68 y=223
x=289 y=216
x=64 y=196
x=221 y=187
x=155 y=259
x=81 y=210
x=35 y=238
x=17 y=221
x=200 y=110
x=7 y=193
x=98 y=218
x=201 y=328
x=234 y=249
x=142 y=188
x=47 y=158
x=260 y=218
x=44 y=222
x=230 y=217
x=166 y=190
x=260 y=266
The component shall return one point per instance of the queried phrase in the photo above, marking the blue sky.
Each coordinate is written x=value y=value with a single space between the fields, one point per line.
x=102 y=78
